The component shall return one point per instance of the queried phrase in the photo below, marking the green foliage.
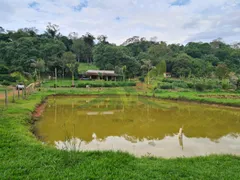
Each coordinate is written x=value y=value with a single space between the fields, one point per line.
x=4 y=69
x=170 y=80
x=180 y=84
x=222 y=71
x=20 y=77
x=166 y=86
x=182 y=66
x=20 y=50
x=106 y=84
x=142 y=79
x=5 y=83
x=200 y=87
x=8 y=78
x=190 y=85
x=225 y=84
x=108 y=57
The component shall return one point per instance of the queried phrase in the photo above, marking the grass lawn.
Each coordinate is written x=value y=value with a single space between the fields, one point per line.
x=22 y=156
x=2 y=89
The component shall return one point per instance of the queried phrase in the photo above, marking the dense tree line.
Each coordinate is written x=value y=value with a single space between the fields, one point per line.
x=28 y=52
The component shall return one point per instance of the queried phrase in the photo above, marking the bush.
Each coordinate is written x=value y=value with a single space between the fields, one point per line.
x=141 y=79
x=5 y=83
x=166 y=86
x=190 y=85
x=4 y=69
x=209 y=86
x=225 y=86
x=180 y=84
x=106 y=84
x=8 y=78
x=168 y=80
x=238 y=84
x=200 y=87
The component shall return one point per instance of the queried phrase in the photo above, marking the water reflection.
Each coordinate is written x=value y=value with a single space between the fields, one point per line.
x=139 y=125
x=167 y=147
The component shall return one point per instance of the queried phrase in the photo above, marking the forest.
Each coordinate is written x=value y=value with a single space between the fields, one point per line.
x=30 y=53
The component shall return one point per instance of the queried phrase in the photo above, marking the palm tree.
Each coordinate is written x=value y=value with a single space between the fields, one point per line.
x=124 y=69
x=39 y=66
x=72 y=67
x=147 y=65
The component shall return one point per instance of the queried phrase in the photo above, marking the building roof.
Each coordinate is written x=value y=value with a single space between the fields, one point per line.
x=102 y=72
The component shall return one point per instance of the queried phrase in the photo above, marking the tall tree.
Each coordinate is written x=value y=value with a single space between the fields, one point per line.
x=67 y=58
x=222 y=71
x=147 y=65
x=52 y=30
x=72 y=64
x=78 y=48
x=39 y=66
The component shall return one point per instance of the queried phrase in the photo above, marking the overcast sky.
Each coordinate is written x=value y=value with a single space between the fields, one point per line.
x=173 y=21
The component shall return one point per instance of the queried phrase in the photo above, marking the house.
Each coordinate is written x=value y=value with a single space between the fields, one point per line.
x=101 y=74
x=167 y=75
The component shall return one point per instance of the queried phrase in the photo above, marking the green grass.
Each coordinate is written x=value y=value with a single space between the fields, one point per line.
x=22 y=156
x=83 y=83
x=203 y=97
x=2 y=89
x=83 y=67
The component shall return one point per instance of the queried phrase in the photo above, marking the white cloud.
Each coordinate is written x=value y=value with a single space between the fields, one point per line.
x=195 y=21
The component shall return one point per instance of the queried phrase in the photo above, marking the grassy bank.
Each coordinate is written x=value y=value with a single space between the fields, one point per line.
x=84 y=83
x=221 y=98
x=22 y=156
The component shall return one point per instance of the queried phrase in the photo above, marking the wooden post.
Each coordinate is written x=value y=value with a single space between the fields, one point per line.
x=25 y=93
x=6 y=98
x=22 y=94
x=55 y=77
x=13 y=96
x=18 y=93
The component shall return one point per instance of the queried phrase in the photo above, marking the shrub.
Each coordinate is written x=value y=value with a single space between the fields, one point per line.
x=209 y=86
x=190 y=85
x=168 y=80
x=6 y=83
x=106 y=84
x=141 y=79
x=225 y=86
x=166 y=86
x=8 y=78
x=200 y=87
x=180 y=84
x=238 y=84
x=4 y=69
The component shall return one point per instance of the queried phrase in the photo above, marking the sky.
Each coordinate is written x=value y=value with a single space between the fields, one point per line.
x=173 y=21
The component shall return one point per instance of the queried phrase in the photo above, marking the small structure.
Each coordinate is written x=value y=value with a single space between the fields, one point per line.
x=167 y=75
x=101 y=74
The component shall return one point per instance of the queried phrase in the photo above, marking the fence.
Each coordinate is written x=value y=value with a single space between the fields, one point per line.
x=12 y=95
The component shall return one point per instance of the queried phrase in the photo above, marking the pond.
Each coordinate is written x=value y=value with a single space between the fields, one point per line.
x=139 y=125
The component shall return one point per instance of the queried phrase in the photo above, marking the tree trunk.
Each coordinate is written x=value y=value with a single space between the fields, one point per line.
x=72 y=79
x=148 y=76
x=39 y=76
x=63 y=73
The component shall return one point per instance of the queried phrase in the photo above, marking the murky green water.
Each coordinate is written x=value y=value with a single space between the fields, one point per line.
x=141 y=126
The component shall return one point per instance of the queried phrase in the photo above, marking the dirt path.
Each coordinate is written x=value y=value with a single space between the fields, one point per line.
x=10 y=93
